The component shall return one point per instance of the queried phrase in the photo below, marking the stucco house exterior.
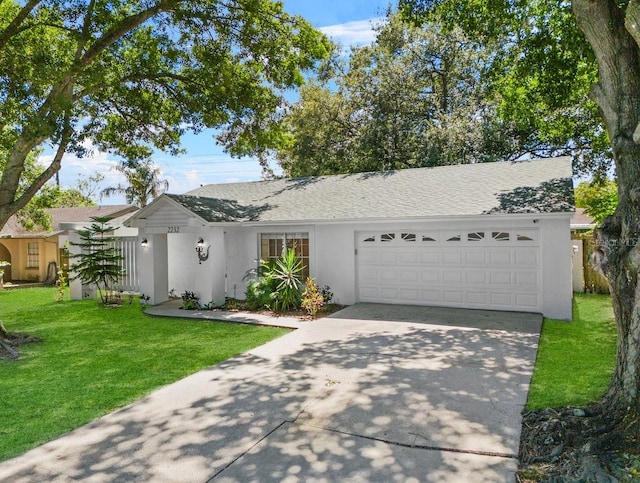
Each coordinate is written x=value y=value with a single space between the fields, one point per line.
x=36 y=254
x=484 y=236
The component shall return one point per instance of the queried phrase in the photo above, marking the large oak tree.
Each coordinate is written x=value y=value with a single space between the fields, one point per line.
x=415 y=97
x=129 y=77
x=439 y=93
x=557 y=42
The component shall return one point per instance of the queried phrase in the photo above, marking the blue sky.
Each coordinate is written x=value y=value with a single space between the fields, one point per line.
x=348 y=22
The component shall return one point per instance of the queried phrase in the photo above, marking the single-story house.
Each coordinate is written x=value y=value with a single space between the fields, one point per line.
x=482 y=236
x=36 y=255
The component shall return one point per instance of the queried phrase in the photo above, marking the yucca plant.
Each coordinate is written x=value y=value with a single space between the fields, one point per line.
x=286 y=272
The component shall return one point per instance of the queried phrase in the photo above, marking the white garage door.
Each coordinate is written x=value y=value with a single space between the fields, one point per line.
x=488 y=269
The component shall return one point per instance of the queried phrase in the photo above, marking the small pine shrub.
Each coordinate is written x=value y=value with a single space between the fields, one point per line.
x=99 y=263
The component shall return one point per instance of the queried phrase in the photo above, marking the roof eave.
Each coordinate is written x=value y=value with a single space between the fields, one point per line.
x=139 y=218
x=435 y=218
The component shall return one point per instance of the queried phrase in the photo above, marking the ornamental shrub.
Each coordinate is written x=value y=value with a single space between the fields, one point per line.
x=312 y=299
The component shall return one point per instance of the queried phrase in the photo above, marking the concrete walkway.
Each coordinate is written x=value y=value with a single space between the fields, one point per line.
x=172 y=309
x=353 y=397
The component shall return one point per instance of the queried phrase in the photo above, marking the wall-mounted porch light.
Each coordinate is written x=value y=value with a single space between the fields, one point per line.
x=144 y=243
x=202 y=250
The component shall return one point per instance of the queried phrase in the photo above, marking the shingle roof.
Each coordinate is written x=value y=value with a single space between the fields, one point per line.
x=81 y=214
x=534 y=186
x=580 y=220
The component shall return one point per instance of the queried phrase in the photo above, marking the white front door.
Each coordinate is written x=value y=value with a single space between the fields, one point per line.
x=485 y=269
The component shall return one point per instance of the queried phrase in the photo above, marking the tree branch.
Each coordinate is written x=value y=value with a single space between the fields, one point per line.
x=14 y=27
x=48 y=173
x=121 y=29
x=632 y=20
x=86 y=32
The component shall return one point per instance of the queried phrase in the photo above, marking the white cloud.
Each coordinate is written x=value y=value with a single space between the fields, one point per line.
x=356 y=33
x=93 y=162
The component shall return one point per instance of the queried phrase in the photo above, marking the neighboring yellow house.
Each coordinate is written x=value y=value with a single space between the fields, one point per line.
x=36 y=256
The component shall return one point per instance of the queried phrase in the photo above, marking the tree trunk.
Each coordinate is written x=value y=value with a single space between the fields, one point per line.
x=618 y=255
x=617 y=94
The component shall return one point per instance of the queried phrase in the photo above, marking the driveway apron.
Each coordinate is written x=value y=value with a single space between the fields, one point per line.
x=357 y=396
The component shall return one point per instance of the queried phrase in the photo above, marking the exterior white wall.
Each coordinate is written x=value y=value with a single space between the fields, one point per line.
x=182 y=261
x=187 y=272
x=557 y=293
x=75 y=285
x=243 y=252
x=153 y=267
x=170 y=262
x=331 y=257
x=242 y=255
x=333 y=254
x=216 y=266
x=335 y=262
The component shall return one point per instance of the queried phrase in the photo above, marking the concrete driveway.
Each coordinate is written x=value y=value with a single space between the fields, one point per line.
x=373 y=393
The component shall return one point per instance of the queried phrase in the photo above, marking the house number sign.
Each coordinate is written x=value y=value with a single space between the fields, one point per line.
x=173 y=229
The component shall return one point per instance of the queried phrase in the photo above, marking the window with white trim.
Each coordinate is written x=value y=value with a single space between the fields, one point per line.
x=273 y=244
x=33 y=255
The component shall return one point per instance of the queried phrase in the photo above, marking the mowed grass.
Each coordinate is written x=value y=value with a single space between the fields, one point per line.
x=575 y=360
x=94 y=360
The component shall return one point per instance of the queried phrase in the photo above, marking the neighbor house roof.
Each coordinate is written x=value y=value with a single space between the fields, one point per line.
x=581 y=221
x=59 y=216
x=534 y=186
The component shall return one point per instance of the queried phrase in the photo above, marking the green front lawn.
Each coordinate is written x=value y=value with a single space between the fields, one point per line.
x=575 y=360
x=93 y=360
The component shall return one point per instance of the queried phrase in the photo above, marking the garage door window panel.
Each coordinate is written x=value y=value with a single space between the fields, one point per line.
x=476 y=236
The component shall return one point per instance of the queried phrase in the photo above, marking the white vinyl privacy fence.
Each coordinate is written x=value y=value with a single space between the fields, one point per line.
x=126 y=247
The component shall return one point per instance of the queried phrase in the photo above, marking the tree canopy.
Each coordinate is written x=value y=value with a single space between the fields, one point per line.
x=542 y=69
x=432 y=92
x=598 y=199
x=415 y=97
x=133 y=77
